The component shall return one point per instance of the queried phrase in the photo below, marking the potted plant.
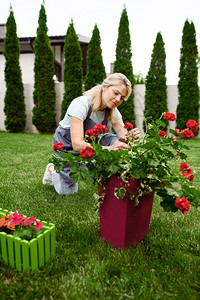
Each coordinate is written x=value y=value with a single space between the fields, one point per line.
x=25 y=243
x=133 y=175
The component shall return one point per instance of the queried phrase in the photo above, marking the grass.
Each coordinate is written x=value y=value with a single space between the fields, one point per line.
x=165 y=265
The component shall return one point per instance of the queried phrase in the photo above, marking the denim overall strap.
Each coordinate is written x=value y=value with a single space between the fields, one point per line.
x=89 y=123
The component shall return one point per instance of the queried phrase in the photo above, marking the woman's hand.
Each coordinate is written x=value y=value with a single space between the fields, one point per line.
x=116 y=146
x=123 y=133
x=135 y=132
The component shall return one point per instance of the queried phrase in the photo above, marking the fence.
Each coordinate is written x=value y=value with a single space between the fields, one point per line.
x=172 y=98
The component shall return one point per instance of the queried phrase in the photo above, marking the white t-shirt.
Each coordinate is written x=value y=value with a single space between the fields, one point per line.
x=79 y=108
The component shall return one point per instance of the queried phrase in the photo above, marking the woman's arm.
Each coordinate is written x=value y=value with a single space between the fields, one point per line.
x=77 y=134
x=119 y=128
x=121 y=132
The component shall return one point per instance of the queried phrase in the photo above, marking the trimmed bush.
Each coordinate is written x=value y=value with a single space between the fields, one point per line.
x=44 y=87
x=73 y=72
x=14 y=98
x=95 y=72
x=123 y=64
x=188 y=107
x=156 y=87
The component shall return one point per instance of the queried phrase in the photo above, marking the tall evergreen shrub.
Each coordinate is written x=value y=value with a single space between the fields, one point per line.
x=188 y=106
x=44 y=86
x=95 y=72
x=14 y=107
x=73 y=72
x=156 y=87
x=123 y=64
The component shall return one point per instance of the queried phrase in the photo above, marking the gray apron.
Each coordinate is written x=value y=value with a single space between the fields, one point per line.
x=63 y=136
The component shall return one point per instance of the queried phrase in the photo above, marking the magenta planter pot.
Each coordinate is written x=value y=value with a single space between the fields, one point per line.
x=123 y=224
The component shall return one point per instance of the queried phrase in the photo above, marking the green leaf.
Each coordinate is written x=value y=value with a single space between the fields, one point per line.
x=120 y=193
x=113 y=168
x=136 y=201
x=172 y=191
x=160 y=122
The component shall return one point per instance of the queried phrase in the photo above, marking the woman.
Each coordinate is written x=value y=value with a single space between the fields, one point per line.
x=96 y=106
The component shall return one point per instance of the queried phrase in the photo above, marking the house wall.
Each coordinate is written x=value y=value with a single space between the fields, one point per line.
x=172 y=93
x=26 y=62
x=27 y=66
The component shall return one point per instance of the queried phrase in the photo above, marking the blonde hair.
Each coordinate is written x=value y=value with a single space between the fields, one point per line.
x=96 y=92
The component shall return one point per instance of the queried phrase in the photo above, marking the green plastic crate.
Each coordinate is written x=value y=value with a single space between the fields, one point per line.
x=26 y=255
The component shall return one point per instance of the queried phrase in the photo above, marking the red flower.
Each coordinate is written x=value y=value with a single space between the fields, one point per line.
x=187 y=134
x=162 y=133
x=38 y=225
x=187 y=171
x=177 y=131
x=87 y=152
x=128 y=126
x=95 y=131
x=192 y=124
x=89 y=134
x=99 y=128
x=185 y=167
x=188 y=175
x=15 y=218
x=182 y=204
x=104 y=129
x=58 y=146
x=27 y=221
x=169 y=117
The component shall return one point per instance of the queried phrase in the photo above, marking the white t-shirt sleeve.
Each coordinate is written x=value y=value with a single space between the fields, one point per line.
x=79 y=108
x=117 y=115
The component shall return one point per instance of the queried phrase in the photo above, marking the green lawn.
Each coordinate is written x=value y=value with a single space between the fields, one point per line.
x=165 y=265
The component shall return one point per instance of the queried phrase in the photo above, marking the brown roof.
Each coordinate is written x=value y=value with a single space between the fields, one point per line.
x=26 y=43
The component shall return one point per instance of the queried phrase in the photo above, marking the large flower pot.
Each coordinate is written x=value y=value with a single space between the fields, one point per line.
x=26 y=255
x=122 y=223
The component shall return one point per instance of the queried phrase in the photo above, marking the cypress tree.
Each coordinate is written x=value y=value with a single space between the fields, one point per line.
x=14 y=98
x=44 y=87
x=188 y=107
x=95 y=72
x=123 y=64
x=73 y=72
x=156 y=88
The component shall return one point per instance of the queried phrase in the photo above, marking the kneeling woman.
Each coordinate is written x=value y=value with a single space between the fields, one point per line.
x=96 y=106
